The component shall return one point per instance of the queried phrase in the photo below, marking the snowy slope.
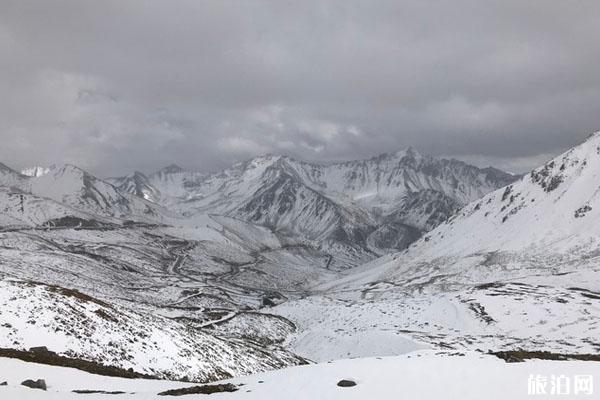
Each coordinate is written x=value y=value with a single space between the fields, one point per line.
x=22 y=209
x=77 y=188
x=554 y=208
x=546 y=222
x=137 y=184
x=79 y=326
x=422 y=375
x=519 y=268
x=11 y=178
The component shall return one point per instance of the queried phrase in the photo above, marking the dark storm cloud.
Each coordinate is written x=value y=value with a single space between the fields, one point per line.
x=116 y=86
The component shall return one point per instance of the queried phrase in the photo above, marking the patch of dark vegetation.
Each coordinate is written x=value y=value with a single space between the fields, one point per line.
x=479 y=310
x=554 y=183
x=544 y=178
x=96 y=392
x=513 y=356
x=582 y=211
x=272 y=298
x=76 y=294
x=346 y=383
x=51 y=358
x=104 y=315
x=137 y=224
x=204 y=389
x=491 y=285
x=507 y=192
x=76 y=222
x=587 y=293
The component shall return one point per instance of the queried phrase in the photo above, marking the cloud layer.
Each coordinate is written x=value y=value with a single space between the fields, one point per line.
x=115 y=86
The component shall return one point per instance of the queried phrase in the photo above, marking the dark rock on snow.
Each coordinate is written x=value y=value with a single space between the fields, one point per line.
x=346 y=383
x=204 y=389
x=39 y=384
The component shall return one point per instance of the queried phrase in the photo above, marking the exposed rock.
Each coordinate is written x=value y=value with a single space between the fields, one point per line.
x=522 y=355
x=204 y=389
x=97 y=392
x=40 y=350
x=345 y=383
x=39 y=384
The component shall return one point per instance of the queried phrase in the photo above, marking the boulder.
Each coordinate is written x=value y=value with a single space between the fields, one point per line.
x=39 y=384
x=345 y=383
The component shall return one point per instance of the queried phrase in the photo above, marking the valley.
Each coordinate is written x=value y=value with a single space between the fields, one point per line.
x=275 y=263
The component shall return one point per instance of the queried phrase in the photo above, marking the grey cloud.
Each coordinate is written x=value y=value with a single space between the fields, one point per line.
x=115 y=86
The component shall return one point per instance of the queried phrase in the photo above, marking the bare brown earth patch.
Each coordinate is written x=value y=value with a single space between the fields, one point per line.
x=51 y=358
x=522 y=355
x=204 y=389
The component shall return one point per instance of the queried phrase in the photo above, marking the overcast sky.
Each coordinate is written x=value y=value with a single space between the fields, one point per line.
x=115 y=86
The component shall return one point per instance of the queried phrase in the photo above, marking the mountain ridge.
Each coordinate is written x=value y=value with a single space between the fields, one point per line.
x=368 y=194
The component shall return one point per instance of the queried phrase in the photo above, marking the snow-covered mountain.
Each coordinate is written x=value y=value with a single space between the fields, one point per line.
x=11 y=178
x=35 y=171
x=23 y=209
x=517 y=269
x=380 y=182
x=555 y=208
x=275 y=259
x=137 y=184
x=75 y=193
x=355 y=204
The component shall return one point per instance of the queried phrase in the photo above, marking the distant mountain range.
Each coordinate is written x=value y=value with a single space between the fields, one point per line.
x=276 y=261
x=372 y=205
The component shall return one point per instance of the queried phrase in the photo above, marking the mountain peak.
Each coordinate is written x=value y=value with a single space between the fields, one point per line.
x=171 y=169
x=411 y=153
x=35 y=171
x=138 y=174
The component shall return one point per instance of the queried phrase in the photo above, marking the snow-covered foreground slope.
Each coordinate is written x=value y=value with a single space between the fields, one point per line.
x=422 y=375
x=73 y=324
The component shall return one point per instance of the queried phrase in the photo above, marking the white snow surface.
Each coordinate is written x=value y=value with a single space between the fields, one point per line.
x=518 y=268
x=73 y=324
x=424 y=375
x=35 y=171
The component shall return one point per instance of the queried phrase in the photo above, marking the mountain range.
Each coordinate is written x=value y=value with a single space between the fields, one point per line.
x=369 y=206
x=276 y=262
